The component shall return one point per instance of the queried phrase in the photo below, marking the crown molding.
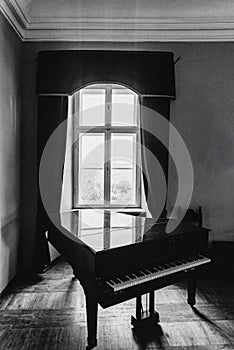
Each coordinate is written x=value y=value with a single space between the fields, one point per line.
x=160 y=30
x=178 y=29
x=11 y=17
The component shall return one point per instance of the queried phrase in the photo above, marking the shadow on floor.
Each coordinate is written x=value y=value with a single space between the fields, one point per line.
x=145 y=336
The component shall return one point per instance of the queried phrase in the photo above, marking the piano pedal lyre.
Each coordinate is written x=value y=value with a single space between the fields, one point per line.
x=145 y=319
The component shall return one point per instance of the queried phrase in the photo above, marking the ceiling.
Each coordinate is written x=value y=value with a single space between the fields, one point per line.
x=121 y=20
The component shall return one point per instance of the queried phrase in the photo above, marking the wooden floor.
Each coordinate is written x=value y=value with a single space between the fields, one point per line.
x=48 y=312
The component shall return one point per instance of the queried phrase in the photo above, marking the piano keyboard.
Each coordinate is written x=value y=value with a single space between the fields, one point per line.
x=149 y=274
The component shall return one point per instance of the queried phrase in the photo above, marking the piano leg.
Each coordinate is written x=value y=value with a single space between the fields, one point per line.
x=91 y=314
x=151 y=303
x=192 y=292
x=138 y=307
x=91 y=310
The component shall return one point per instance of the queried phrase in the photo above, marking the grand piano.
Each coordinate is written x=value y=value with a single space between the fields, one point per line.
x=117 y=257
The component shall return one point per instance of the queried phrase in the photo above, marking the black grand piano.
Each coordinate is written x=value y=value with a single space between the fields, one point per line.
x=117 y=257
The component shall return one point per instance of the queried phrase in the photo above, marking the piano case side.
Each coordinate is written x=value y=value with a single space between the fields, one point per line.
x=75 y=252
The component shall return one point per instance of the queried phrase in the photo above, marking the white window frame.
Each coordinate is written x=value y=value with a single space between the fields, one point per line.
x=107 y=129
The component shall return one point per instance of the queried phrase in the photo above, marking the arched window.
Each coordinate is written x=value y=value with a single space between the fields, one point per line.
x=106 y=154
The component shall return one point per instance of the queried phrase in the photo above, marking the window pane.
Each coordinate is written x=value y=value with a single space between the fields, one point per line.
x=122 y=186
x=91 y=186
x=92 y=107
x=123 y=107
x=123 y=149
x=91 y=174
x=91 y=146
x=123 y=169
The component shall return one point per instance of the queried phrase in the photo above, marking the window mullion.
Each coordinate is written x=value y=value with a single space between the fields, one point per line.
x=76 y=153
x=107 y=168
x=108 y=106
x=107 y=148
x=138 y=169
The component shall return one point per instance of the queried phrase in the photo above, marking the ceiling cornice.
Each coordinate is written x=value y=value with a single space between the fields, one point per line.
x=178 y=29
x=10 y=14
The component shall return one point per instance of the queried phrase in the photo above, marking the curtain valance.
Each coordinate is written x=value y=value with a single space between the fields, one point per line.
x=64 y=72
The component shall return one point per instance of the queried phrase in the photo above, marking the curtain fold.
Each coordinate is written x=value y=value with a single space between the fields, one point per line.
x=52 y=111
x=67 y=190
x=154 y=152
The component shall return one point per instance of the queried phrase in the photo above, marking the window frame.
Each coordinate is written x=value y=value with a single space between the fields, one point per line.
x=107 y=129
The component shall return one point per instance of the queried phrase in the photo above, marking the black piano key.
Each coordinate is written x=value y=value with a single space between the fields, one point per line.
x=115 y=280
x=139 y=274
x=185 y=261
x=173 y=264
x=156 y=269
x=161 y=267
x=167 y=266
x=180 y=262
x=128 y=277
x=143 y=273
x=124 y=278
x=111 y=282
x=119 y=280
x=151 y=270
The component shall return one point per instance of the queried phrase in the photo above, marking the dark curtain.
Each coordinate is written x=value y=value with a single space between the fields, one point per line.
x=153 y=111
x=52 y=111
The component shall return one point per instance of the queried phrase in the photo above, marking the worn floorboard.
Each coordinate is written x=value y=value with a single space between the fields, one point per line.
x=47 y=312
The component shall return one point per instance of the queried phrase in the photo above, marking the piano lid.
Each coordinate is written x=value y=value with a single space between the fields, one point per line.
x=103 y=229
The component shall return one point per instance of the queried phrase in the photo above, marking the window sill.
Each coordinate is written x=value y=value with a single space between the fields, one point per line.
x=130 y=211
x=133 y=211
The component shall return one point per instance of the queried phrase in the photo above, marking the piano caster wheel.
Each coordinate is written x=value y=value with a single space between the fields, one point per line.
x=91 y=344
